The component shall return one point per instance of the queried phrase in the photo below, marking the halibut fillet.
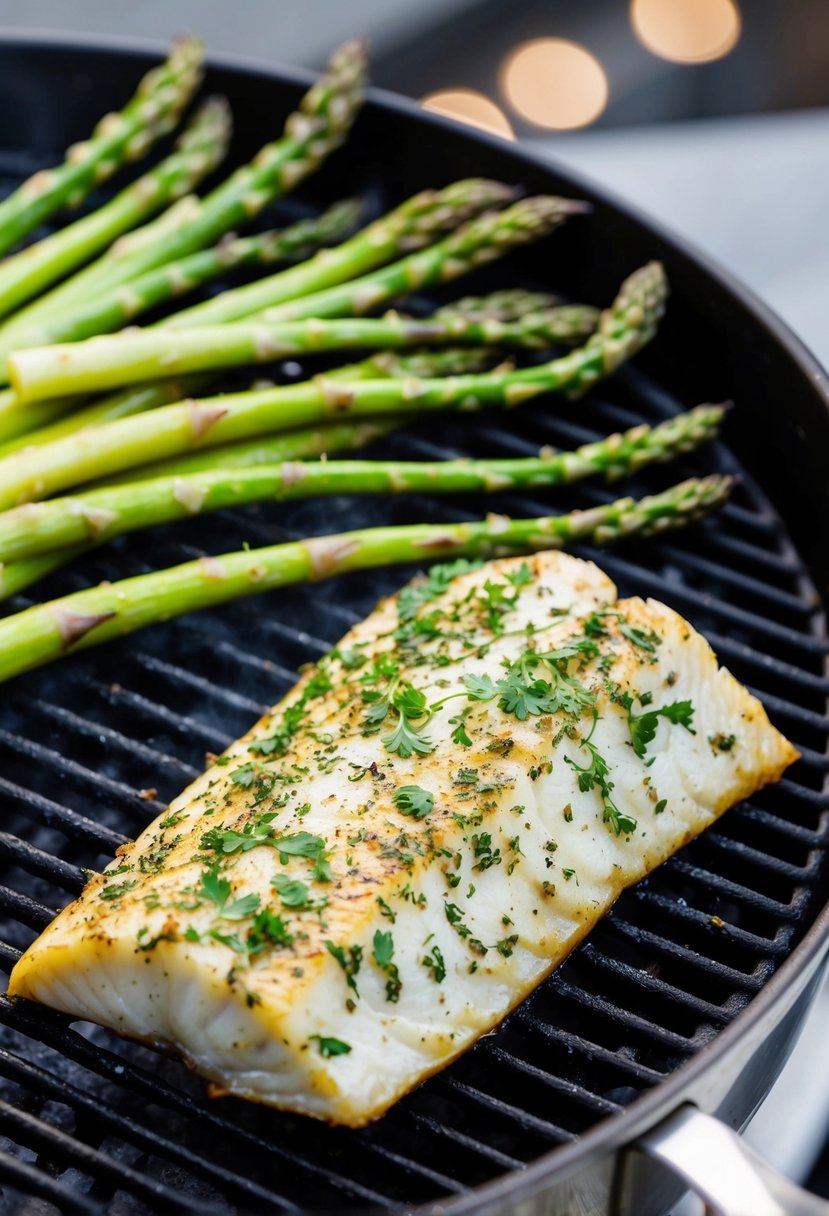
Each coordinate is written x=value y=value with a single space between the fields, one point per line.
x=407 y=844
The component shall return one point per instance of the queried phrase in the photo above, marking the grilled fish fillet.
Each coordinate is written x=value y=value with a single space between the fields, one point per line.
x=401 y=850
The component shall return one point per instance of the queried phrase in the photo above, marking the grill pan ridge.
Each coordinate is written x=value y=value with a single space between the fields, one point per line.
x=91 y=750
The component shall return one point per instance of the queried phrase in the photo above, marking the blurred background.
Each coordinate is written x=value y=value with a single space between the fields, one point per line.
x=707 y=113
x=711 y=115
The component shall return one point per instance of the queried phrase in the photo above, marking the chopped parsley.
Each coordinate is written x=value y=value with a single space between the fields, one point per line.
x=330 y=1047
x=295 y=894
x=349 y=959
x=383 y=954
x=218 y=890
x=413 y=800
x=595 y=776
x=643 y=726
x=434 y=962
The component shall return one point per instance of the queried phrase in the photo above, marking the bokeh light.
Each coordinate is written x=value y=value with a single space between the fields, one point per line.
x=555 y=83
x=687 y=31
x=468 y=105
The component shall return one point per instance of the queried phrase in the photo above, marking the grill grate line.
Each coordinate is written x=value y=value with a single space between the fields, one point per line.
x=583 y=1096
x=37 y=861
x=52 y=814
x=522 y=1118
x=28 y=911
x=51 y=1140
x=650 y=983
x=49 y=1088
x=32 y=1181
x=109 y=738
x=52 y=1028
x=67 y=767
x=181 y=724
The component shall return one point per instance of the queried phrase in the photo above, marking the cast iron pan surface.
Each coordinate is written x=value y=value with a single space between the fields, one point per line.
x=90 y=750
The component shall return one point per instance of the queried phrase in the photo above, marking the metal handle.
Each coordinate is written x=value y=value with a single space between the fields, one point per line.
x=721 y=1168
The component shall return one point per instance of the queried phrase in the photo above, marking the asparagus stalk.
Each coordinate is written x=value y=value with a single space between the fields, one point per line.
x=174 y=429
x=199 y=150
x=88 y=618
x=476 y=243
x=385 y=364
x=411 y=226
x=489 y=237
x=508 y=304
x=159 y=286
x=152 y=111
x=296 y=445
x=109 y=362
x=307 y=442
x=319 y=126
x=97 y=515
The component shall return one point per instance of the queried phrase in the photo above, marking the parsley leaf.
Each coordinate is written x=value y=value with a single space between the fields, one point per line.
x=645 y=639
x=405 y=740
x=460 y=735
x=480 y=687
x=217 y=890
x=267 y=930
x=349 y=959
x=295 y=894
x=383 y=953
x=595 y=775
x=412 y=800
x=643 y=726
x=434 y=962
x=330 y=1047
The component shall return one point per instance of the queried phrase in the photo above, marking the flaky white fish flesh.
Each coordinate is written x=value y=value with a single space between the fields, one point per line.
x=406 y=845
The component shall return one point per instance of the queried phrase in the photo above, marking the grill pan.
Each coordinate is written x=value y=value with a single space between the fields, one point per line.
x=688 y=995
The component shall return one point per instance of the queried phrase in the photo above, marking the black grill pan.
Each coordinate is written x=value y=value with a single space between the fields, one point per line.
x=691 y=990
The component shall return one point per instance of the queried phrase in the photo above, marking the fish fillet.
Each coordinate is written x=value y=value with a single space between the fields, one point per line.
x=403 y=848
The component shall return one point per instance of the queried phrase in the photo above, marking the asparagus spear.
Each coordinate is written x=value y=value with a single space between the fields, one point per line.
x=109 y=362
x=489 y=237
x=508 y=304
x=385 y=364
x=413 y=224
x=153 y=110
x=103 y=514
x=160 y=285
x=86 y=618
x=199 y=150
x=312 y=133
x=623 y=329
x=477 y=242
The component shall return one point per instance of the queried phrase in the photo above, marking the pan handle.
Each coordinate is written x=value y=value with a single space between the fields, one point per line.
x=721 y=1168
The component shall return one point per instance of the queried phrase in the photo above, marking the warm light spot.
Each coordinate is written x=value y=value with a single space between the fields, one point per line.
x=468 y=105
x=555 y=83
x=687 y=31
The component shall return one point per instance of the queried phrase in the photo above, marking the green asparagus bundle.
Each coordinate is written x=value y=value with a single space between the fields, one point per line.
x=200 y=149
x=417 y=222
x=103 y=514
x=169 y=282
x=476 y=243
x=109 y=362
x=152 y=112
x=319 y=126
x=174 y=429
x=301 y=444
x=490 y=236
x=87 y=618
